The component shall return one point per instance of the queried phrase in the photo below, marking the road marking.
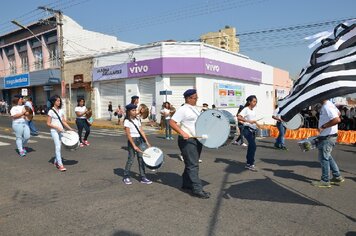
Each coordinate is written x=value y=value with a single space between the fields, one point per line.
x=4 y=144
x=14 y=138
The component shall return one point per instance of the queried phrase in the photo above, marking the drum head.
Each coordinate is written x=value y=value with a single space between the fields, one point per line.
x=153 y=157
x=215 y=125
x=70 y=139
x=295 y=123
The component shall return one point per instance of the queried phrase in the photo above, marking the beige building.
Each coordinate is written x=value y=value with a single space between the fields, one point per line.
x=224 y=38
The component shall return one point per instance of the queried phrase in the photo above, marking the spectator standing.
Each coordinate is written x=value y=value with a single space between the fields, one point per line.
x=110 y=110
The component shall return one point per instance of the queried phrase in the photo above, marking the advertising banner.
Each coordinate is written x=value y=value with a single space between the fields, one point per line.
x=227 y=95
x=16 y=81
x=110 y=72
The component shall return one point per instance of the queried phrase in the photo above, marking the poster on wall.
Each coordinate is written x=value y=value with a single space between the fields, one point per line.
x=228 y=95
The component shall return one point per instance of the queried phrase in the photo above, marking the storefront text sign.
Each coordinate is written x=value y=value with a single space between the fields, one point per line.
x=110 y=72
x=16 y=81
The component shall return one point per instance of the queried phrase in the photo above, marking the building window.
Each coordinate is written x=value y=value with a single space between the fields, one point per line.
x=53 y=55
x=37 y=52
x=12 y=64
x=24 y=61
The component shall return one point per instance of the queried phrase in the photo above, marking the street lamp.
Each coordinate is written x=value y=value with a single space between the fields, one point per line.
x=26 y=28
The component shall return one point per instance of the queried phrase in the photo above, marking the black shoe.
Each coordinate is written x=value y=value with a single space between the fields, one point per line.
x=201 y=194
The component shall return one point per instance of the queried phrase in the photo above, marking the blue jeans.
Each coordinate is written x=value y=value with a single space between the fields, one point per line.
x=168 y=128
x=57 y=144
x=141 y=165
x=280 y=138
x=32 y=127
x=250 y=136
x=82 y=124
x=22 y=132
x=327 y=162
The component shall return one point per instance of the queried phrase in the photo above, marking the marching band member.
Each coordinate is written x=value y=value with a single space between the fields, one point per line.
x=19 y=124
x=328 y=120
x=81 y=121
x=248 y=117
x=55 y=120
x=136 y=142
x=191 y=148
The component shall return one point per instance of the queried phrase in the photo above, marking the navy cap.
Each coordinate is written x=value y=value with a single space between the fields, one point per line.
x=130 y=107
x=135 y=97
x=189 y=92
x=18 y=96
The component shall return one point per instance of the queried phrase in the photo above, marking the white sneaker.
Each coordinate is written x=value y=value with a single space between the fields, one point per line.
x=200 y=161
x=181 y=158
x=244 y=145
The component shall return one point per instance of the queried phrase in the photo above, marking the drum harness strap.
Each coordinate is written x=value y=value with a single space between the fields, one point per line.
x=60 y=120
x=138 y=130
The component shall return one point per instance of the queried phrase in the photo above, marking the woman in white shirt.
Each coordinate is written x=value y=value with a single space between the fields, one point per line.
x=55 y=120
x=81 y=122
x=248 y=117
x=166 y=113
x=19 y=124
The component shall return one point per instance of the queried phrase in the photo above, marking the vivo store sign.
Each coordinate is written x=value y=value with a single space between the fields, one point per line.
x=17 y=81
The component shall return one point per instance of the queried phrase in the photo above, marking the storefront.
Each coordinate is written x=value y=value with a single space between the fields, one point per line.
x=224 y=81
x=40 y=86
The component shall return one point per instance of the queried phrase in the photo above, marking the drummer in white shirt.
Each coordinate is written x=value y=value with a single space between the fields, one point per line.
x=55 y=120
x=19 y=124
x=190 y=147
x=248 y=117
x=81 y=121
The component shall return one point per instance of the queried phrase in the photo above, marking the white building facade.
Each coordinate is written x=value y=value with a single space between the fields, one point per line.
x=221 y=78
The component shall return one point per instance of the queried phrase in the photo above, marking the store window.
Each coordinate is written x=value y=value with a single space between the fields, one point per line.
x=24 y=61
x=53 y=55
x=37 y=52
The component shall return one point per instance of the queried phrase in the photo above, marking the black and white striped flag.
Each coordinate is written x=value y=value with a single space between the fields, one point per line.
x=331 y=73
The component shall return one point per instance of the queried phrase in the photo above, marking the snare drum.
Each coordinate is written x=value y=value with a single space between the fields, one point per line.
x=218 y=125
x=70 y=139
x=295 y=123
x=308 y=143
x=153 y=157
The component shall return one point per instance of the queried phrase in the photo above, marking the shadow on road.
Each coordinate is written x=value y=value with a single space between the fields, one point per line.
x=64 y=161
x=311 y=164
x=125 y=233
x=289 y=174
x=265 y=190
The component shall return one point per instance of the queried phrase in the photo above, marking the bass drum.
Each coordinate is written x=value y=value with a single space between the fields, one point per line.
x=295 y=123
x=153 y=157
x=70 y=139
x=218 y=125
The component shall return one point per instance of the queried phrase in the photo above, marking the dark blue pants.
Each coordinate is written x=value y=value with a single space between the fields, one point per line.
x=250 y=136
x=82 y=124
x=32 y=127
x=280 y=139
x=191 y=150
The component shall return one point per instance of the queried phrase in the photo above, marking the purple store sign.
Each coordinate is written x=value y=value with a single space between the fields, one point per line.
x=189 y=65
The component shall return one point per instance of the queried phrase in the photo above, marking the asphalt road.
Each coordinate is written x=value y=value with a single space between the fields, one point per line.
x=90 y=198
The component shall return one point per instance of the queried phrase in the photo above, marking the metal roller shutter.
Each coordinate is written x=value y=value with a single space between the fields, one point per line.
x=114 y=92
x=147 y=91
x=178 y=87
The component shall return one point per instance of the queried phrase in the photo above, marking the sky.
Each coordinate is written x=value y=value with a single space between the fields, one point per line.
x=146 y=21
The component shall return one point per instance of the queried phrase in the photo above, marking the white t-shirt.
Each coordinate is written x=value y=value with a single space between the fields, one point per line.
x=166 y=112
x=81 y=110
x=328 y=112
x=17 y=110
x=133 y=131
x=55 y=121
x=153 y=110
x=275 y=113
x=248 y=114
x=187 y=115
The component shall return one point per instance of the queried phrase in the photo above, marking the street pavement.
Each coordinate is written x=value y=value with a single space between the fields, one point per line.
x=90 y=198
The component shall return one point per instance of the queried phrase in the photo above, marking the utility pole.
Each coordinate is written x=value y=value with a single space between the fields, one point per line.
x=59 y=21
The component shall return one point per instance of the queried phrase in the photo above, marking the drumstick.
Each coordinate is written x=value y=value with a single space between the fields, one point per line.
x=203 y=136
